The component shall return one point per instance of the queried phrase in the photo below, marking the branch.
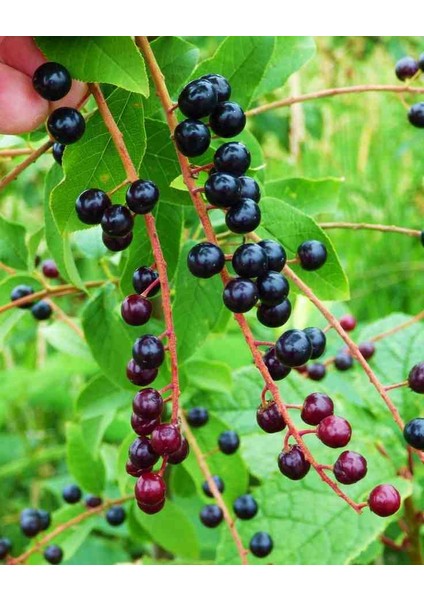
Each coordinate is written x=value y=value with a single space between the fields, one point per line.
x=24 y=164
x=12 y=152
x=385 y=228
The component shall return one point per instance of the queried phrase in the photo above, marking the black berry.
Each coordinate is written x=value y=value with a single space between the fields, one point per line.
x=58 y=150
x=406 y=68
x=221 y=85
x=148 y=404
x=384 y=500
x=117 y=221
x=52 y=81
x=228 y=442
x=219 y=484
x=5 y=547
x=71 y=494
x=240 y=295
x=269 y=418
x=197 y=416
x=91 y=205
x=117 y=244
x=261 y=544
x=334 y=431
x=416 y=378
x=312 y=255
x=142 y=196
x=192 y=137
x=211 y=515
x=143 y=278
x=30 y=523
x=232 y=157
x=293 y=348
x=198 y=99
x=53 y=554
x=414 y=433
x=227 y=119
x=177 y=457
x=316 y=371
x=316 y=407
x=367 y=349
x=41 y=310
x=136 y=310
x=350 y=467
x=250 y=260
x=143 y=426
x=139 y=376
x=318 y=341
x=274 y=316
x=20 y=291
x=245 y=507
x=273 y=288
x=276 y=254
x=92 y=501
x=45 y=519
x=166 y=439
x=205 y=260
x=293 y=463
x=416 y=114
x=249 y=188
x=343 y=361
x=150 y=489
x=115 y=516
x=148 y=352
x=421 y=62
x=276 y=369
x=348 y=322
x=141 y=453
x=66 y=125
x=222 y=189
x=49 y=269
x=244 y=216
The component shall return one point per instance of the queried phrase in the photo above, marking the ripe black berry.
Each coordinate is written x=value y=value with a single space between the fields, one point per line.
x=221 y=85
x=414 y=433
x=136 y=310
x=117 y=221
x=318 y=341
x=250 y=260
x=148 y=352
x=416 y=378
x=240 y=295
x=350 y=467
x=249 y=188
x=211 y=515
x=293 y=348
x=49 y=269
x=142 y=196
x=139 y=376
x=205 y=260
x=334 y=431
x=384 y=500
x=150 y=489
x=141 y=453
x=228 y=442
x=115 y=516
x=232 y=157
x=143 y=426
x=316 y=407
x=5 y=547
x=66 y=125
x=166 y=439
x=316 y=371
x=421 y=62
x=20 y=291
x=367 y=349
x=52 y=81
x=192 y=137
x=276 y=254
x=244 y=216
x=276 y=369
x=273 y=288
x=219 y=484
x=30 y=522
x=148 y=404
x=71 y=494
x=343 y=361
x=91 y=205
x=348 y=322
x=269 y=418
x=222 y=189
x=416 y=114
x=53 y=554
x=117 y=244
x=406 y=68
x=245 y=507
x=293 y=463
x=143 y=278
x=197 y=416
x=92 y=501
x=227 y=119
x=312 y=255
x=274 y=316
x=198 y=99
x=41 y=310
x=179 y=455
x=261 y=544
x=45 y=519
x=58 y=150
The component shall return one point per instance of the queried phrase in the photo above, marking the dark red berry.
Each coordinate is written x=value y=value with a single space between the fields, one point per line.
x=198 y=99
x=141 y=453
x=179 y=455
x=57 y=151
x=275 y=252
x=316 y=371
x=384 y=500
x=274 y=316
x=232 y=157
x=334 y=431
x=276 y=369
x=221 y=85
x=148 y=352
x=143 y=278
x=240 y=295
x=293 y=463
x=91 y=205
x=406 y=67
x=93 y=501
x=211 y=515
x=222 y=189
x=227 y=119
x=117 y=221
x=228 y=442
x=20 y=291
x=71 y=494
x=250 y=260
x=143 y=426
x=416 y=114
x=139 y=376
x=49 y=269
x=249 y=188
x=348 y=322
x=53 y=554
x=117 y=244
x=192 y=137
x=41 y=310
x=166 y=439
x=269 y=418
x=136 y=310
x=343 y=361
x=66 y=125
x=318 y=341
x=150 y=489
x=293 y=348
x=142 y=196
x=52 y=81
x=367 y=349
x=148 y=404
x=219 y=484
x=261 y=544
x=205 y=260
x=197 y=416
x=316 y=407
x=133 y=470
x=151 y=509
x=312 y=255
x=414 y=433
x=350 y=467
x=244 y=216
x=245 y=507
x=416 y=378
x=273 y=288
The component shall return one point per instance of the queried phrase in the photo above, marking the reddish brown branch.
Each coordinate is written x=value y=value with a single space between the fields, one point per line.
x=24 y=164
x=375 y=227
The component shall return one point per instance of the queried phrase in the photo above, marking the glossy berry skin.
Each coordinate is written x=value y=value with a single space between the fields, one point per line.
x=30 y=524
x=57 y=151
x=53 y=554
x=142 y=196
x=148 y=352
x=205 y=260
x=197 y=416
x=273 y=288
x=136 y=310
x=41 y=310
x=227 y=119
x=143 y=426
x=52 y=81
x=49 y=269
x=148 y=404
x=166 y=439
x=219 y=484
x=211 y=515
x=318 y=341
x=367 y=349
x=350 y=467
x=416 y=378
x=421 y=62
x=416 y=114
x=143 y=278
x=249 y=188
x=222 y=189
x=141 y=453
x=115 y=515
x=221 y=85
x=245 y=507
x=293 y=463
x=274 y=316
x=132 y=469
x=151 y=509
x=261 y=544
x=244 y=216
x=414 y=433
x=91 y=205
x=316 y=407
x=269 y=418
x=384 y=500
x=117 y=221
x=150 y=489
x=276 y=369
x=228 y=442
x=198 y=99
x=192 y=137
x=312 y=255
x=343 y=361
x=93 y=501
x=316 y=371
x=179 y=455
x=66 y=125
x=5 y=547
x=72 y=494
x=117 y=244
x=45 y=519
x=240 y=295
x=139 y=376
x=20 y=291
x=250 y=260
x=233 y=158
x=334 y=431
x=348 y=322
x=276 y=254
x=406 y=68
x=293 y=348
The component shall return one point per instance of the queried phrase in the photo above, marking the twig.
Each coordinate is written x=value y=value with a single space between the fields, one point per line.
x=24 y=164
x=376 y=227
x=62 y=316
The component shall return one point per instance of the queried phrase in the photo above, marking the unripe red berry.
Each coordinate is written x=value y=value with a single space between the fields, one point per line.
x=150 y=489
x=166 y=439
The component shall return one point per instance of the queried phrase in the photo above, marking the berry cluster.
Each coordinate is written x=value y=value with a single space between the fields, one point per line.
x=40 y=310
x=408 y=68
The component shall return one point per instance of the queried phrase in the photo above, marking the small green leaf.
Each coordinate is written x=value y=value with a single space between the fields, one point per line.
x=13 y=251
x=313 y=196
x=209 y=375
x=60 y=336
x=87 y=469
x=101 y=396
x=33 y=243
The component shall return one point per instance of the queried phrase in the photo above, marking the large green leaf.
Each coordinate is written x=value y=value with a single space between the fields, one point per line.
x=101 y=396
x=86 y=468
x=313 y=196
x=13 y=251
x=105 y=59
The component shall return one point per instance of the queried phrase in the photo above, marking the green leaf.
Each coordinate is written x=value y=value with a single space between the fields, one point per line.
x=33 y=243
x=209 y=375
x=94 y=161
x=101 y=396
x=60 y=336
x=105 y=59
x=313 y=196
x=291 y=227
x=13 y=251
x=87 y=469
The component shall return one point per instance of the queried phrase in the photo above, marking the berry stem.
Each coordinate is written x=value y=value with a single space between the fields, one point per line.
x=12 y=152
x=394 y=386
x=376 y=227
x=13 y=174
x=195 y=170
x=391 y=544
x=418 y=317
x=62 y=316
